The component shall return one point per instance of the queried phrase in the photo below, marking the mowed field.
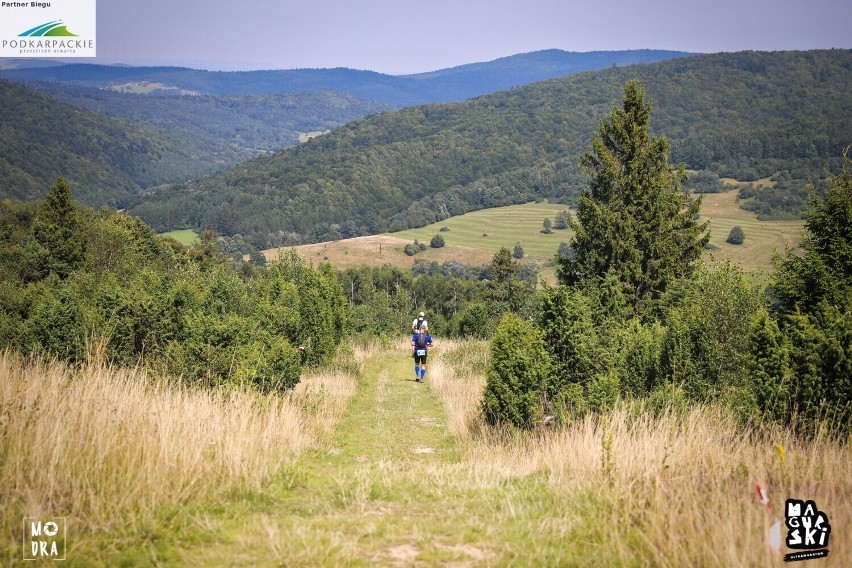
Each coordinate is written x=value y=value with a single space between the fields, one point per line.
x=762 y=238
x=475 y=237
x=472 y=238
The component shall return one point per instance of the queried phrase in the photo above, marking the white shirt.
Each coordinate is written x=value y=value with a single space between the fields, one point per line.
x=415 y=325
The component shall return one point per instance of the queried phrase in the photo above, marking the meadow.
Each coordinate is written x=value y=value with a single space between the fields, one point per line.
x=473 y=238
x=185 y=237
x=131 y=458
x=380 y=470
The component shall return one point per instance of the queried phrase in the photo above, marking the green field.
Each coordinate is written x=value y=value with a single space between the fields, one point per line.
x=763 y=239
x=185 y=236
x=504 y=226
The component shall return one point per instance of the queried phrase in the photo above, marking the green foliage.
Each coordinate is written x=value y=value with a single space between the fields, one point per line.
x=517 y=375
x=437 y=241
x=503 y=268
x=707 y=320
x=667 y=397
x=736 y=236
x=821 y=365
x=634 y=219
x=567 y=326
x=518 y=251
x=561 y=222
x=824 y=271
x=56 y=229
x=546 y=225
x=109 y=159
x=55 y=325
x=132 y=298
x=703 y=181
x=768 y=366
x=641 y=348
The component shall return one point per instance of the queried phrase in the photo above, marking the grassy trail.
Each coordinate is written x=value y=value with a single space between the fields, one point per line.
x=389 y=490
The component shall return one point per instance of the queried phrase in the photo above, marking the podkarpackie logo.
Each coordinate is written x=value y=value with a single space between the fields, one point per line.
x=50 y=29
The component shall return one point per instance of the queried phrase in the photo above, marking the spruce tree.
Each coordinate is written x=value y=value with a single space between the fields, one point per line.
x=634 y=219
x=56 y=228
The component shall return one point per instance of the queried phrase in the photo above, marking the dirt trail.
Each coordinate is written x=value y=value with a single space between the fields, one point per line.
x=376 y=496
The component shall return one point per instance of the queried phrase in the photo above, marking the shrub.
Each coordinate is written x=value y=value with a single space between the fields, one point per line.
x=736 y=236
x=436 y=242
x=518 y=251
x=517 y=375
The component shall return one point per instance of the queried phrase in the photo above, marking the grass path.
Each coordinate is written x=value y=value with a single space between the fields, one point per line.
x=390 y=490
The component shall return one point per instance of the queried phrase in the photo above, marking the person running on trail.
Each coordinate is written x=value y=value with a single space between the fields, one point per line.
x=419 y=322
x=421 y=343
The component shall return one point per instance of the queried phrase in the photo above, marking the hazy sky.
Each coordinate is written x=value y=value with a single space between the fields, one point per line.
x=400 y=37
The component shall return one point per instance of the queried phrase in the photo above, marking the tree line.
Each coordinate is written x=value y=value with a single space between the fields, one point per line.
x=80 y=283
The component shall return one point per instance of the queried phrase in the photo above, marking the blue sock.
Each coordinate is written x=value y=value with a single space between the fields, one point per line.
x=422 y=372
x=416 y=371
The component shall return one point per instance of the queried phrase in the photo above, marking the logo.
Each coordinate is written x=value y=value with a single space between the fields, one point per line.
x=58 y=28
x=50 y=29
x=44 y=538
x=807 y=530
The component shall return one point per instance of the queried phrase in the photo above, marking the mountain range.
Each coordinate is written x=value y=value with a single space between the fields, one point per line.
x=446 y=85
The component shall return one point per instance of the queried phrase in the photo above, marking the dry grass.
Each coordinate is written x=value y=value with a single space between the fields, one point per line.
x=670 y=490
x=379 y=250
x=111 y=451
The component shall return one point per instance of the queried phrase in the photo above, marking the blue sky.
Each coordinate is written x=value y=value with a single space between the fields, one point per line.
x=399 y=37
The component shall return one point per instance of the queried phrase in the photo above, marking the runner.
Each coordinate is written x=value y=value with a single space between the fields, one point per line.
x=419 y=322
x=421 y=343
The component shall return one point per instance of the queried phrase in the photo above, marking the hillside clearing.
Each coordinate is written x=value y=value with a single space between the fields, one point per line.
x=504 y=226
x=185 y=237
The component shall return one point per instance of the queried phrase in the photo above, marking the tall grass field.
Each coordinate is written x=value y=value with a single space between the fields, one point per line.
x=368 y=468
x=128 y=459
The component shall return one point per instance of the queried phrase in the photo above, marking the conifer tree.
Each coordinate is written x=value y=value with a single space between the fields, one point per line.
x=56 y=228
x=633 y=220
x=824 y=271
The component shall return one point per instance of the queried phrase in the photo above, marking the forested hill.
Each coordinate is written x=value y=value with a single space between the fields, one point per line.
x=744 y=115
x=229 y=129
x=446 y=85
x=108 y=160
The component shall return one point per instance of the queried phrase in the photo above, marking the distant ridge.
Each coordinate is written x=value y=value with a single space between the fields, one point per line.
x=446 y=85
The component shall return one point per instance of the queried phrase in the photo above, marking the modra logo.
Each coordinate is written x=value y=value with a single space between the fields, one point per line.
x=44 y=538
x=50 y=29
x=807 y=530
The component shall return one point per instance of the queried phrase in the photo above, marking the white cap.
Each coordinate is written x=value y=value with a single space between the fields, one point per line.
x=422 y=315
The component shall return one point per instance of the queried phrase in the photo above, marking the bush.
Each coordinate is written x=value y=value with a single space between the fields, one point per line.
x=411 y=249
x=436 y=242
x=517 y=375
x=736 y=236
x=518 y=251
